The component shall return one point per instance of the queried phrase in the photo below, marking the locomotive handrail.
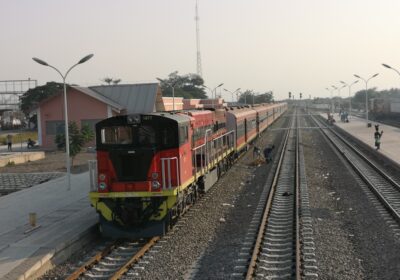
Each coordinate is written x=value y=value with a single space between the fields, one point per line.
x=93 y=175
x=168 y=160
x=207 y=148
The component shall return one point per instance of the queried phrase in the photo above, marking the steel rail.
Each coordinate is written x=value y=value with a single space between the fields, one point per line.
x=134 y=259
x=359 y=153
x=267 y=209
x=364 y=177
x=92 y=261
x=297 y=204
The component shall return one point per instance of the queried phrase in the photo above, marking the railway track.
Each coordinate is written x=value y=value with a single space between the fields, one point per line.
x=385 y=187
x=284 y=246
x=114 y=261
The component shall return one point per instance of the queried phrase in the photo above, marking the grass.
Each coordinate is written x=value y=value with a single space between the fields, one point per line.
x=19 y=137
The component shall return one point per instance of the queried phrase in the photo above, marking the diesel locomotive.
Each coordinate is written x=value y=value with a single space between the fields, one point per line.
x=151 y=167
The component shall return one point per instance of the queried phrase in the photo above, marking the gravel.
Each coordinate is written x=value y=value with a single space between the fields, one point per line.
x=210 y=236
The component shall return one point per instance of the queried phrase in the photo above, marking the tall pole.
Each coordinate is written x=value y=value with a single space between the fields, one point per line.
x=366 y=93
x=199 y=69
x=173 y=97
x=64 y=77
x=349 y=86
x=331 y=99
x=214 y=92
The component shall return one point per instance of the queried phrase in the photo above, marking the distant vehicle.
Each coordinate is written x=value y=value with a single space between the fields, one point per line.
x=385 y=108
x=12 y=120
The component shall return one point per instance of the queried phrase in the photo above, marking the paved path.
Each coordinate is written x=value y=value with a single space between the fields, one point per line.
x=63 y=217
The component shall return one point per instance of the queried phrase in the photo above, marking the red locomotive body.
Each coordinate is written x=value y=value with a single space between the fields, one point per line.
x=150 y=167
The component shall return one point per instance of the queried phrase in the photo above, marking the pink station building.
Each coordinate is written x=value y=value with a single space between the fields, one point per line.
x=89 y=105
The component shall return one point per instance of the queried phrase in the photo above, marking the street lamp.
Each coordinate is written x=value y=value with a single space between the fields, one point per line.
x=331 y=90
x=340 y=96
x=366 y=93
x=349 y=85
x=232 y=92
x=172 y=85
x=215 y=92
x=387 y=66
x=83 y=60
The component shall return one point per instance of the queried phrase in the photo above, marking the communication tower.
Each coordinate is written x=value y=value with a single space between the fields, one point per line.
x=199 y=70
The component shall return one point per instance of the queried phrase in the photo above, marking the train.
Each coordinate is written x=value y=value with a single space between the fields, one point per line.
x=385 y=108
x=152 y=167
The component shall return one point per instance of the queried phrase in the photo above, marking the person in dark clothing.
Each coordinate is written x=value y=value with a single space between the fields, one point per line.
x=31 y=143
x=268 y=153
x=9 y=142
x=378 y=136
x=256 y=152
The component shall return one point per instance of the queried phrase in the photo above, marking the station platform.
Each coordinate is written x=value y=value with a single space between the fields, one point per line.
x=63 y=218
x=358 y=128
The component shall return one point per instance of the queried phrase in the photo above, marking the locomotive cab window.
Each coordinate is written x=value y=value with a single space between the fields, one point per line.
x=116 y=135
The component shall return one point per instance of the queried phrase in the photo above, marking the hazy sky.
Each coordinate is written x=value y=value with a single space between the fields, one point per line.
x=282 y=45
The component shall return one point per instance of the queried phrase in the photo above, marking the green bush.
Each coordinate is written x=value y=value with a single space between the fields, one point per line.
x=77 y=139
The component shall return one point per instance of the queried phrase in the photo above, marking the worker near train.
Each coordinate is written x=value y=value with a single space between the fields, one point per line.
x=256 y=152
x=268 y=153
x=378 y=136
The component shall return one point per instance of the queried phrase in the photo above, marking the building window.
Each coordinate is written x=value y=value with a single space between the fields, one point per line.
x=55 y=127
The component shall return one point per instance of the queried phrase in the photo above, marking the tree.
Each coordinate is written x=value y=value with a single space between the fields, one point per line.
x=247 y=97
x=35 y=95
x=186 y=86
x=107 y=80
x=110 y=81
x=77 y=139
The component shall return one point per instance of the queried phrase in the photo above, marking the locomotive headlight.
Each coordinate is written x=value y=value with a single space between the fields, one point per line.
x=155 y=185
x=102 y=186
x=154 y=175
x=102 y=177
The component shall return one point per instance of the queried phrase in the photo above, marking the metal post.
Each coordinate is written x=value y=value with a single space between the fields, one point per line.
x=366 y=101
x=173 y=98
x=67 y=160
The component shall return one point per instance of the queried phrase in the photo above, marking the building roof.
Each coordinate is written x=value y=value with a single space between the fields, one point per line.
x=99 y=97
x=135 y=98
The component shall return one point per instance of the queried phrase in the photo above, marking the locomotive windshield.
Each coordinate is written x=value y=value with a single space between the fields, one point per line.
x=143 y=136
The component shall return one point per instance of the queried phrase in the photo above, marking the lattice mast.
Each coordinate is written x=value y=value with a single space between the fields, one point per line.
x=199 y=70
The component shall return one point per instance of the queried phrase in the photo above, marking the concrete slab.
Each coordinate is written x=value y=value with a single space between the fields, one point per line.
x=64 y=217
x=22 y=157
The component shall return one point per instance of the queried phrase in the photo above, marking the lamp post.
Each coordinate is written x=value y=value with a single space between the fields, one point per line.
x=349 y=86
x=214 y=91
x=172 y=85
x=366 y=93
x=387 y=66
x=232 y=92
x=331 y=90
x=340 y=96
x=64 y=77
